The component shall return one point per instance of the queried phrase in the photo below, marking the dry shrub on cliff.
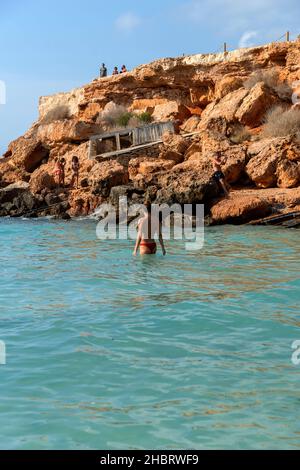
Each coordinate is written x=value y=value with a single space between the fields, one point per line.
x=58 y=113
x=281 y=121
x=271 y=79
x=113 y=114
x=119 y=116
x=239 y=134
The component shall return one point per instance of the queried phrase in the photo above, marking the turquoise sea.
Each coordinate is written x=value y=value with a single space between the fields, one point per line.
x=190 y=351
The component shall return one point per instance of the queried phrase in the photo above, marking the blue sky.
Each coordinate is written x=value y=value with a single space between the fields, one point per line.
x=52 y=46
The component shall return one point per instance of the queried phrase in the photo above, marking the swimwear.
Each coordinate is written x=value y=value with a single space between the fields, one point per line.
x=150 y=245
x=219 y=175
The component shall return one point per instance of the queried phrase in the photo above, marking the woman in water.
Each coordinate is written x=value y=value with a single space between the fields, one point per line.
x=148 y=227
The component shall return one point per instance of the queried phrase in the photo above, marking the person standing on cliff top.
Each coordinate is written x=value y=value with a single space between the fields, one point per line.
x=115 y=71
x=219 y=176
x=123 y=69
x=103 y=71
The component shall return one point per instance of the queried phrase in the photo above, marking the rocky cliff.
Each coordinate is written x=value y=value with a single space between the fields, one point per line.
x=224 y=98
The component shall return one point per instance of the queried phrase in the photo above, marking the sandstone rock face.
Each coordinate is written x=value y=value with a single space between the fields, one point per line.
x=155 y=166
x=68 y=131
x=227 y=85
x=10 y=174
x=174 y=142
x=171 y=155
x=255 y=105
x=70 y=100
x=252 y=204
x=224 y=110
x=128 y=191
x=147 y=105
x=191 y=124
x=41 y=179
x=274 y=163
x=203 y=94
x=194 y=151
x=16 y=199
x=104 y=176
x=236 y=163
x=171 y=110
x=187 y=183
x=288 y=174
x=28 y=153
x=89 y=112
x=134 y=165
x=12 y=191
x=262 y=169
x=243 y=209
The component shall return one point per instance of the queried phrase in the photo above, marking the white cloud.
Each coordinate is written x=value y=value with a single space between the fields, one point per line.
x=233 y=17
x=246 y=39
x=127 y=22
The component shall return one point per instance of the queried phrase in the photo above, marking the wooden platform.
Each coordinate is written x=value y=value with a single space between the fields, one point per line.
x=118 y=153
x=289 y=220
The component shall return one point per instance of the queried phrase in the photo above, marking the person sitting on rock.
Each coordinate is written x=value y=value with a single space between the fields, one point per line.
x=103 y=71
x=115 y=71
x=123 y=69
x=75 y=171
x=219 y=176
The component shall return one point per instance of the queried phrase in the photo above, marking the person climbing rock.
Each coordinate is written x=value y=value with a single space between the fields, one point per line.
x=103 y=71
x=219 y=176
x=123 y=69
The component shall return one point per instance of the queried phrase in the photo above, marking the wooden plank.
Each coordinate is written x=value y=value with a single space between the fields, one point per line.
x=278 y=219
x=138 y=147
x=118 y=141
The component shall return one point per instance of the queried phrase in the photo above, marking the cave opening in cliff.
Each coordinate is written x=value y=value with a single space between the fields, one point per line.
x=39 y=155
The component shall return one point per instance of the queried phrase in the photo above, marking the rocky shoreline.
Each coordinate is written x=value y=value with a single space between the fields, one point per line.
x=223 y=99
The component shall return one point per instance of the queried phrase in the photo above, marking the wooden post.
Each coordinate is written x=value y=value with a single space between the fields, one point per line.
x=287 y=35
x=92 y=149
x=118 y=141
x=225 y=48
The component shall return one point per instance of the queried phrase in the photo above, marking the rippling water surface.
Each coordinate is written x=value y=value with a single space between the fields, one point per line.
x=190 y=351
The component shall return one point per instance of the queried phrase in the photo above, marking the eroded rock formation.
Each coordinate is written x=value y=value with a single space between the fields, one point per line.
x=205 y=94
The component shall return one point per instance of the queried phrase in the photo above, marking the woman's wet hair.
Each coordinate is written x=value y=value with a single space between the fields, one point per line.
x=147 y=204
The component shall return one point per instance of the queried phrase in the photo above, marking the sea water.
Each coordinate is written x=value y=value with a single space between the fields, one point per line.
x=188 y=351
